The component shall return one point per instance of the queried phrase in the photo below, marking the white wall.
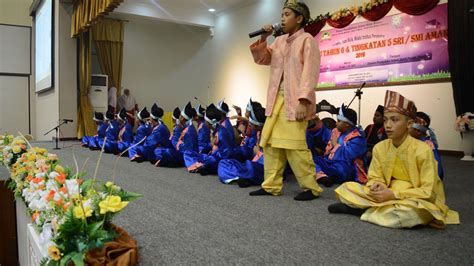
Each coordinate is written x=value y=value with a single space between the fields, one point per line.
x=166 y=63
x=236 y=77
x=15 y=12
x=67 y=72
x=14 y=110
x=61 y=101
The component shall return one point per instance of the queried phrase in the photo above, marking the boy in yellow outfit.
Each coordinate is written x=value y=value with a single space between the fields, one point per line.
x=403 y=188
x=294 y=59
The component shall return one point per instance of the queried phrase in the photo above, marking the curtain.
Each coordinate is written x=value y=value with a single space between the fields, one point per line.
x=461 y=56
x=85 y=126
x=315 y=28
x=411 y=7
x=378 y=12
x=87 y=12
x=416 y=7
x=108 y=39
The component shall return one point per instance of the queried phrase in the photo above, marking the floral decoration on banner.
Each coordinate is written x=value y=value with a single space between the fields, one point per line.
x=352 y=11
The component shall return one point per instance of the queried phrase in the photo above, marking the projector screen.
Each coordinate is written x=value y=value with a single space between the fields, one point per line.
x=44 y=46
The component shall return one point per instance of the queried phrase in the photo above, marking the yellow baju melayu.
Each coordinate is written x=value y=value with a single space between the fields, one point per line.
x=284 y=140
x=411 y=172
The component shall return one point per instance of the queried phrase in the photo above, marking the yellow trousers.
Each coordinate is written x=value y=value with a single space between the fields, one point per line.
x=285 y=141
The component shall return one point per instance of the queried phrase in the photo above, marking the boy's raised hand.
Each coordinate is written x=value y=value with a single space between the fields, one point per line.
x=238 y=110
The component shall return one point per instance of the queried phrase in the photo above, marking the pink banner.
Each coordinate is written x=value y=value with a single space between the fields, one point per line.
x=397 y=48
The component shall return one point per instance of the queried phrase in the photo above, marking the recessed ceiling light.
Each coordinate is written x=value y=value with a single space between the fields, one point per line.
x=212 y=10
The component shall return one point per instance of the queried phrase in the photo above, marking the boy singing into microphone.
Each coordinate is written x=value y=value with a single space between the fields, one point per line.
x=294 y=60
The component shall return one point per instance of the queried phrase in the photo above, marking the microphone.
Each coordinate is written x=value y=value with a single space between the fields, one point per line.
x=276 y=27
x=68 y=120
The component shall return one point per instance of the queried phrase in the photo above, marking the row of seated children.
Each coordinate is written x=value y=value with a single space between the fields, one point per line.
x=203 y=141
x=200 y=142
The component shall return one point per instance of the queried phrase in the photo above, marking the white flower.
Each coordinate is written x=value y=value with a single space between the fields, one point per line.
x=72 y=187
x=46 y=234
x=38 y=204
x=39 y=175
x=87 y=203
x=51 y=185
x=57 y=196
x=53 y=174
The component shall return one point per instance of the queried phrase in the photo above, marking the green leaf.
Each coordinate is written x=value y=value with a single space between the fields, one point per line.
x=44 y=262
x=64 y=260
x=129 y=196
x=86 y=184
x=78 y=259
x=92 y=228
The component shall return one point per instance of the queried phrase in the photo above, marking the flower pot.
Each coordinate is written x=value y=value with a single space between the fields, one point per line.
x=468 y=145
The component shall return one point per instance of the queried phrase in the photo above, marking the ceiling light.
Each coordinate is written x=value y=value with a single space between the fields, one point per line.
x=212 y=10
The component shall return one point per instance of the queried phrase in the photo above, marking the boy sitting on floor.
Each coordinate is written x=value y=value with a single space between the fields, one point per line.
x=343 y=159
x=249 y=172
x=403 y=188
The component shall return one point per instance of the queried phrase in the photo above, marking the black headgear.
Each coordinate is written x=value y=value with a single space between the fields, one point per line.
x=156 y=112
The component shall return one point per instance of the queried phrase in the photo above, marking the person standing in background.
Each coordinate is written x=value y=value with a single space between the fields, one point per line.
x=128 y=102
x=112 y=100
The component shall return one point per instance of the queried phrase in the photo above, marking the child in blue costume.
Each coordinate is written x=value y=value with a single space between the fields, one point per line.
x=420 y=130
x=344 y=158
x=245 y=151
x=242 y=126
x=204 y=134
x=184 y=139
x=205 y=164
x=158 y=138
x=112 y=131
x=225 y=121
x=318 y=136
x=125 y=135
x=250 y=172
x=144 y=129
x=101 y=127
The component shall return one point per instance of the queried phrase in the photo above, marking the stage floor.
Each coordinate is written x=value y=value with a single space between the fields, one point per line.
x=191 y=219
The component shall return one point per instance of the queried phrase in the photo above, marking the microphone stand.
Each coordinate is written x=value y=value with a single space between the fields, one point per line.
x=57 y=133
x=358 y=94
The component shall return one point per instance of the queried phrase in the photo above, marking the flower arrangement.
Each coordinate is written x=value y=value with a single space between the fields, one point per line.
x=12 y=150
x=341 y=13
x=464 y=122
x=71 y=213
x=367 y=6
x=5 y=139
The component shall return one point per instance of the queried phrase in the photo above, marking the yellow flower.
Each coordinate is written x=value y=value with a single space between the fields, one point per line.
x=40 y=150
x=109 y=184
x=79 y=213
x=112 y=204
x=31 y=157
x=54 y=253
x=21 y=170
x=59 y=169
x=16 y=149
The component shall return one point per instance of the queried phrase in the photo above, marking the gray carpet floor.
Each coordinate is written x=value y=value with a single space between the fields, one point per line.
x=191 y=219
